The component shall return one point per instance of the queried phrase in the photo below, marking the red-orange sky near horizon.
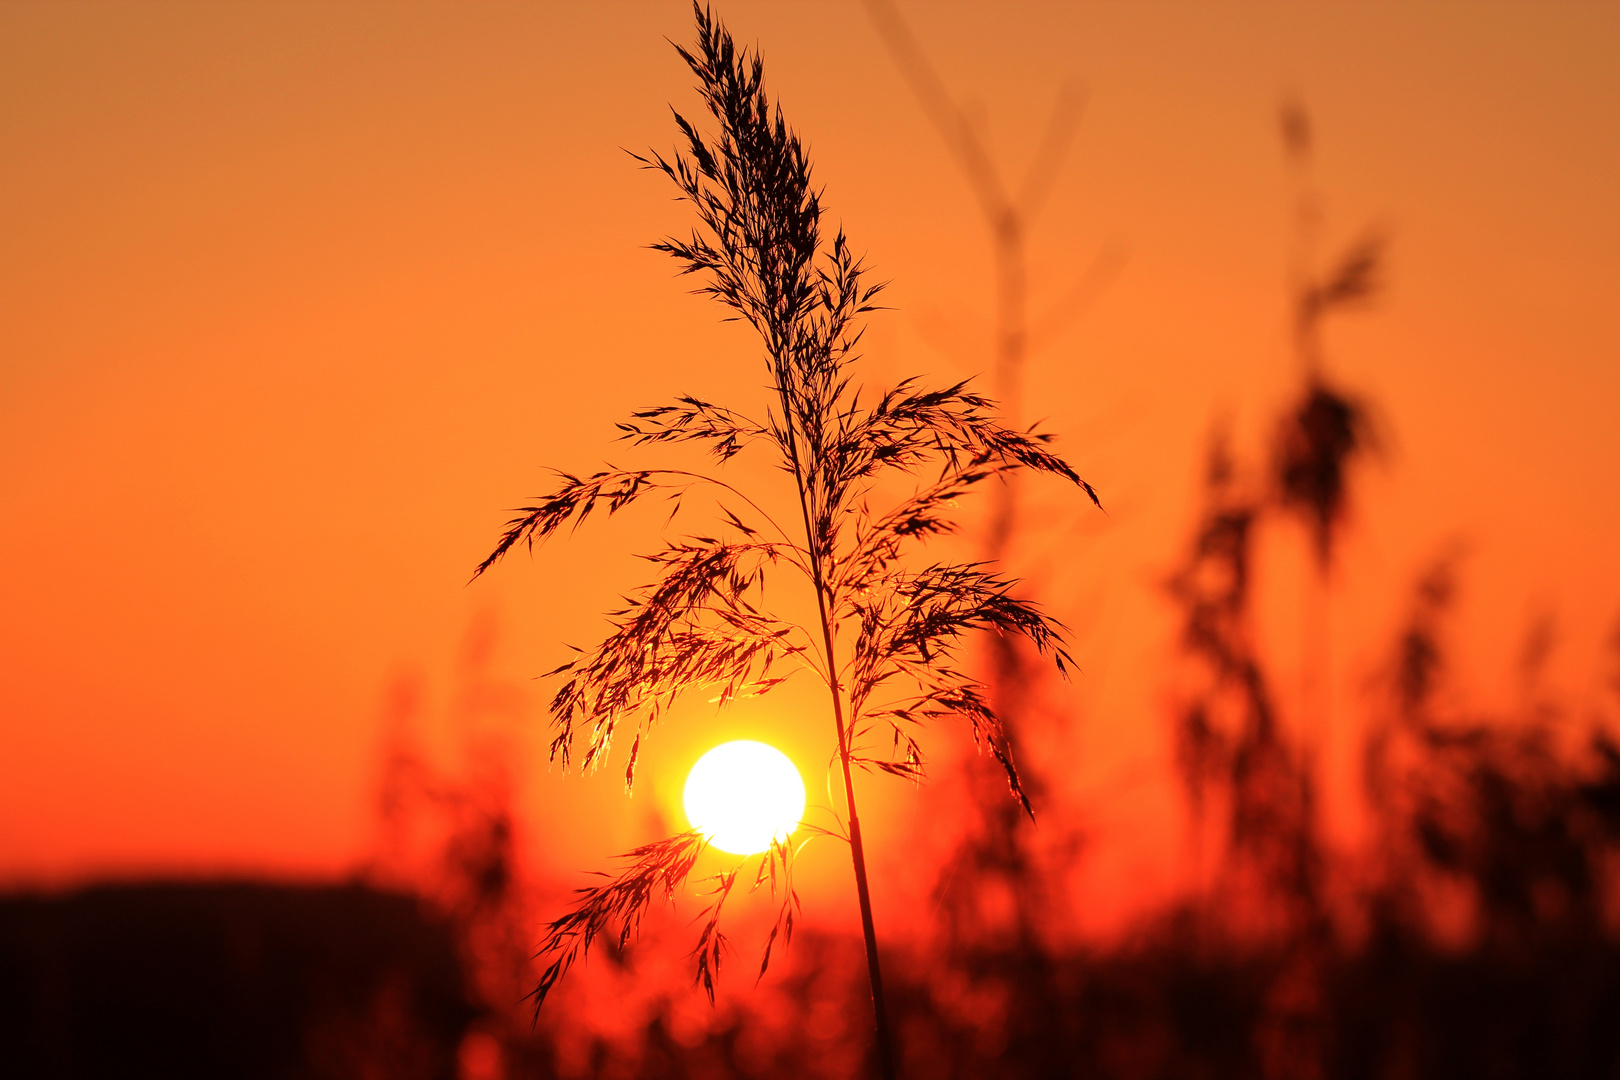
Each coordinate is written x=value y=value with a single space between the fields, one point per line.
x=297 y=299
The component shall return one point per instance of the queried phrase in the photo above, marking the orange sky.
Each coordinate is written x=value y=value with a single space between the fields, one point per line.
x=296 y=299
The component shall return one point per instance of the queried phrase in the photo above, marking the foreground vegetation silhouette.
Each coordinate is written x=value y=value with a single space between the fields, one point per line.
x=262 y=981
x=886 y=632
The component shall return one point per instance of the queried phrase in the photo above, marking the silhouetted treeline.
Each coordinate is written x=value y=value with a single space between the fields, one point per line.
x=228 y=980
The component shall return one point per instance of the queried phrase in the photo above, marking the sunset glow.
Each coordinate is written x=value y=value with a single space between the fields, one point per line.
x=456 y=462
x=743 y=795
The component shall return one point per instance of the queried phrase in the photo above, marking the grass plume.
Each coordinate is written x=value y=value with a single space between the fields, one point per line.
x=886 y=633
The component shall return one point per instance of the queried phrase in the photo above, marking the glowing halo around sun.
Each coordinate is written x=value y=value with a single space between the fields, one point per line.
x=744 y=794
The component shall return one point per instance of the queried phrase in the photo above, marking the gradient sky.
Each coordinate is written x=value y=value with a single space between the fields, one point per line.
x=297 y=298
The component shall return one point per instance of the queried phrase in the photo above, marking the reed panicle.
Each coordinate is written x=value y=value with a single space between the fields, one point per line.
x=886 y=635
x=657 y=871
x=1327 y=429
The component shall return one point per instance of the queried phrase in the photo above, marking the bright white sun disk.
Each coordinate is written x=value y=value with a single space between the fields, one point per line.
x=742 y=795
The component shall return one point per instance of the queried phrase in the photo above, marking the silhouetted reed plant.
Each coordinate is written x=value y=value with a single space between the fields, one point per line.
x=887 y=633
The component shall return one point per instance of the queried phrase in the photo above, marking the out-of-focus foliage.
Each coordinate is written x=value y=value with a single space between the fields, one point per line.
x=240 y=979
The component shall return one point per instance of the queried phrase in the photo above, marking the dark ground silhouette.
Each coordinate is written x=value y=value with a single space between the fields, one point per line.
x=238 y=979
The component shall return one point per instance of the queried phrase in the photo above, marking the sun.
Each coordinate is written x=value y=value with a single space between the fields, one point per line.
x=744 y=794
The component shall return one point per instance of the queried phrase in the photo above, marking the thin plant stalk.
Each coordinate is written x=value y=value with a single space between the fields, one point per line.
x=857 y=849
x=1011 y=209
x=1010 y=214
